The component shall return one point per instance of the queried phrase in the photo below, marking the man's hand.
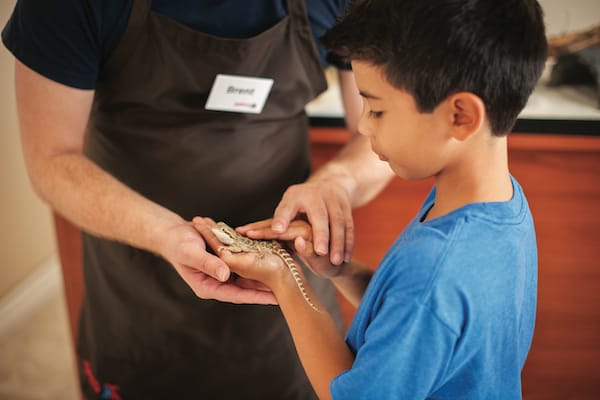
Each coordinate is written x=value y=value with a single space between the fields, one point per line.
x=327 y=207
x=208 y=275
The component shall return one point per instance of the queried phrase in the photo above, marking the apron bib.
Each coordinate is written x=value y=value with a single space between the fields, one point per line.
x=143 y=332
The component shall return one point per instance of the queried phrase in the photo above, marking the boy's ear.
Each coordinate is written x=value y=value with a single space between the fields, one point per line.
x=468 y=114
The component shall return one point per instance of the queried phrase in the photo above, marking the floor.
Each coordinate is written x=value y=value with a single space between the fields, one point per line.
x=36 y=357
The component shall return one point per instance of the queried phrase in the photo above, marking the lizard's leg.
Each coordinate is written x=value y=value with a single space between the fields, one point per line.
x=231 y=248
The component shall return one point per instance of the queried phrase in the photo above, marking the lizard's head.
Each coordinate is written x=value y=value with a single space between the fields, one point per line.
x=224 y=233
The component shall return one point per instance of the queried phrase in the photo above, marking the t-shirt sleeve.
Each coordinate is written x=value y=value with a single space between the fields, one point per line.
x=393 y=363
x=59 y=39
x=323 y=15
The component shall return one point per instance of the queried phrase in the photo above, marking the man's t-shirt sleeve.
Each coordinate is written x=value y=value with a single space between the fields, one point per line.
x=323 y=20
x=59 y=39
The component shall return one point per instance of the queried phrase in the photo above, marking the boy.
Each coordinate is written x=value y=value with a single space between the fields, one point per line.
x=449 y=313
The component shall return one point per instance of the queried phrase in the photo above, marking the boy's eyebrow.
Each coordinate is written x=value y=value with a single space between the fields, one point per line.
x=368 y=95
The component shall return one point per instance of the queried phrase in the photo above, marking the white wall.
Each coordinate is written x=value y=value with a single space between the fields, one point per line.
x=26 y=232
x=570 y=15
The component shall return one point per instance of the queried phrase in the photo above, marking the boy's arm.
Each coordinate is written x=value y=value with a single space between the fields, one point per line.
x=322 y=350
x=320 y=346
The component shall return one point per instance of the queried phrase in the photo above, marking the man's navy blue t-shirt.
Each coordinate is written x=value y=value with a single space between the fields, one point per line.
x=68 y=40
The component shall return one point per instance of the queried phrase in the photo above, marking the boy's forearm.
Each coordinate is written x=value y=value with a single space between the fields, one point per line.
x=321 y=348
x=352 y=281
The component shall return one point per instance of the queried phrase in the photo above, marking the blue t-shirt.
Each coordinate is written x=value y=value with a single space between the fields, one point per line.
x=69 y=40
x=450 y=312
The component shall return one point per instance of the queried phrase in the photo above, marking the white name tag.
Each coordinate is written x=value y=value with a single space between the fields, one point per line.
x=239 y=94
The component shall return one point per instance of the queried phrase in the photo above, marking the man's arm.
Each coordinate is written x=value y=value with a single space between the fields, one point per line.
x=351 y=179
x=53 y=120
x=366 y=175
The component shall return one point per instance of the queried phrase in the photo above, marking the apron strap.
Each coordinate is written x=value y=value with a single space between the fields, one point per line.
x=296 y=9
x=137 y=18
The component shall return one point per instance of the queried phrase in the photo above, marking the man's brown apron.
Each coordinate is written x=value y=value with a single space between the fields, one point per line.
x=143 y=333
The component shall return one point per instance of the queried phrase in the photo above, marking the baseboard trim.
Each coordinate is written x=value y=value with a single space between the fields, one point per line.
x=29 y=295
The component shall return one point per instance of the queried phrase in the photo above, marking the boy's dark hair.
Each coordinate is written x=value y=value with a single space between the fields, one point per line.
x=495 y=49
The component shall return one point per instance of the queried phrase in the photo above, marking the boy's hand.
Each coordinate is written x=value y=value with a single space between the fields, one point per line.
x=299 y=235
x=252 y=266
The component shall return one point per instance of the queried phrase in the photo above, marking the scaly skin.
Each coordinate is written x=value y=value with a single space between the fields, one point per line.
x=237 y=243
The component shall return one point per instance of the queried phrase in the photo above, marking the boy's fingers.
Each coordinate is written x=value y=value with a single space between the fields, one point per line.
x=258 y=225
x=295 y=229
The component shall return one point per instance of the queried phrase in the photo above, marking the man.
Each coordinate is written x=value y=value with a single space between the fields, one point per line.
x=125 y=134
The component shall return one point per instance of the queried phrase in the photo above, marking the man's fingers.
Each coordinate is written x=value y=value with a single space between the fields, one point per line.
x=284 y=213
x=193 y=253
x=214 y=267
x=207 y=288
x=317 y=216
x=349 y=236
x=203 y=226
x=338 y=234
x=319 y=220
x=251 y=284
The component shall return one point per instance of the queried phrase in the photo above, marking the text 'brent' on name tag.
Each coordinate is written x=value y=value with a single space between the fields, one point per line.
x=239 y=94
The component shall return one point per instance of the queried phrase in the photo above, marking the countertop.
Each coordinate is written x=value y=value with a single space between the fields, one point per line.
x=572 y=110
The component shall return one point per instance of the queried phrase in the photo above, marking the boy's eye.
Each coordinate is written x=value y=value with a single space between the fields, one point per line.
x=375 y=114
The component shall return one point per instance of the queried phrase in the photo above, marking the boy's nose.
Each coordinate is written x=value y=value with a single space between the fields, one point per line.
x=364 y=125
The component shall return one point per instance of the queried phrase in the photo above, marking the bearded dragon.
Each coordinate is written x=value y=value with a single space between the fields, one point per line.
x=237 y=243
